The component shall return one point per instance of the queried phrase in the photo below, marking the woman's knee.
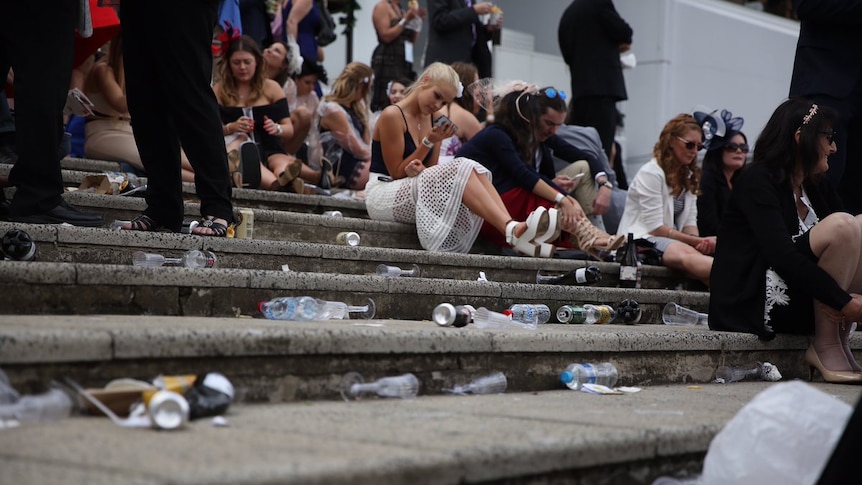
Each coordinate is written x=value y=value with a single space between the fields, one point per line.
x=840 y=227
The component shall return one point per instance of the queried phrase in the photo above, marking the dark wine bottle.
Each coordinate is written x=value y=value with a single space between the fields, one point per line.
x=629 y=266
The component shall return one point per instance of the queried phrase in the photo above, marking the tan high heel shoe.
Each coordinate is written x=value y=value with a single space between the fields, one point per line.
x=235 y=167
x=586 y=237
x=835 y=377
x=289 y=180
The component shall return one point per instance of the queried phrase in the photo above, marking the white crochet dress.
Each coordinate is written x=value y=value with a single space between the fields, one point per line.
x=432 y=201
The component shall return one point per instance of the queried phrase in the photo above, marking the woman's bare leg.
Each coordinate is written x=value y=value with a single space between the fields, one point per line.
x=682 y=257
x=836 y=240
x=485 y=202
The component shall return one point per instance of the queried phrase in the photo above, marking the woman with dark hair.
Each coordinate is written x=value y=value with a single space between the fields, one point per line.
x=253 y=107
x=661 y=200
x=462 y=111
x=517 y=149
x=789 y=258
x=726 y=152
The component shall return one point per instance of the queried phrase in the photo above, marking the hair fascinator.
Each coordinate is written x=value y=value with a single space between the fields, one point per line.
x=293 y=57
x=487 y=92
x=221 y=42
x=718 y=126
x=460 y=90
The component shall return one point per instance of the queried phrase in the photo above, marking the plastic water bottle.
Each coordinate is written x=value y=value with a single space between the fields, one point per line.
x=405 y=386
x=495 y=383
x=194 y=258
x=576 y=375
x=484 y=318
x=52 y=405
x=674 y=314
x=306 y=309
x=527 y=313
x=388 y=271
x=581 y=276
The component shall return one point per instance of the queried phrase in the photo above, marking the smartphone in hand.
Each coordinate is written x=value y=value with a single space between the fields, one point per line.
x=442 y=120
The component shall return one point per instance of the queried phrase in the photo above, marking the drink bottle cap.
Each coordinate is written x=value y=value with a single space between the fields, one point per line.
x=507 y=312
x=260 y=306
x=566 y=377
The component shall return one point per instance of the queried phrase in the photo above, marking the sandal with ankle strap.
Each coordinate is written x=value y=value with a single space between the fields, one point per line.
x=234 y=166
x=143 y=223
x=585 y=235
x=547 y=250
x=218 y=229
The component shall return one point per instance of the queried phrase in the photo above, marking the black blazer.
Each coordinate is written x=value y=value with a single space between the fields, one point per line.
x=590 y=34
x=714 y=194
x=450 y=36
x=828 y=55
x=755 y=234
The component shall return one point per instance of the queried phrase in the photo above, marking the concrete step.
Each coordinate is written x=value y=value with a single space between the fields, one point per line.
x=277 y=361
x=78 y=245
x=560 y=437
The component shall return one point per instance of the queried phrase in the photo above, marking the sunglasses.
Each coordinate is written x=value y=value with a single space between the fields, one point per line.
x=553 y=93
x=690 y=145
x=830 y=136
x=732 y=147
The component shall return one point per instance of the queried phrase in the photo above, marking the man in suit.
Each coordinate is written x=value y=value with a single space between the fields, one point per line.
x=828 y=70
x=457 y=33
x=591 y=36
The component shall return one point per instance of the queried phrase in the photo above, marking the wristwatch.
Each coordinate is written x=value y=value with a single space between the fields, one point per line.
x=608 y=184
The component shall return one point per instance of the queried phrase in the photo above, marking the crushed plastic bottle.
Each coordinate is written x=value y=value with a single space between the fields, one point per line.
x=194 y=258
x=764 y=370
x=576 y=375
x=495 y=383
x=52 y=405
x=484 y=318
x=306 y=308
x=353 y=386
x=528 y=313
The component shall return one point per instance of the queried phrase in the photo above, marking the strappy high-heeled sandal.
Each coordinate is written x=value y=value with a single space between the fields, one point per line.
x=289 y=180
x=537 y=222
x=143 y=223
x=586 y=235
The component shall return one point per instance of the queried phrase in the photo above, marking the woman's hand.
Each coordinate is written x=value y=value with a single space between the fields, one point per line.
x=243 y=124
x=414 y=168
x=706 y=245
x=565 y=182
x=570 y=211
x=441 y=132
x=271 y=127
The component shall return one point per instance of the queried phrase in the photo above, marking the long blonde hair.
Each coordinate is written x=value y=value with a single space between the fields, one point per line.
x=356 y=77
x=437 y=73
x=678 y=176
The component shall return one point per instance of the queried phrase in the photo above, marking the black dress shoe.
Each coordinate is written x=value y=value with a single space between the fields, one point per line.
x=62 y=213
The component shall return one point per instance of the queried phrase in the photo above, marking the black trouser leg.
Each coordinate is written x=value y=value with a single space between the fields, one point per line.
x=37 y=41
x=600 y=112
x=168 y=69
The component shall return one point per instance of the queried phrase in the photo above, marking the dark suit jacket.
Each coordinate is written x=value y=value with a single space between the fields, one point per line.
x=450 y=37
x=755 y=234
x=829 y=50
x=590 y=34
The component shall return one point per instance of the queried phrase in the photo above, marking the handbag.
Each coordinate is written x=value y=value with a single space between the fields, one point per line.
x=326 y=34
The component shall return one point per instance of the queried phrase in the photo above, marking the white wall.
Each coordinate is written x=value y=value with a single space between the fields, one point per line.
x=690 y=52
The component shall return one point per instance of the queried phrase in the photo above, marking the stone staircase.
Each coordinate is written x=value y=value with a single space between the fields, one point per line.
x=82 y=311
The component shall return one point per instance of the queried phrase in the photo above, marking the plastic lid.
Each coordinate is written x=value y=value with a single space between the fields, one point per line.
x=567 y=377
x=260 y=305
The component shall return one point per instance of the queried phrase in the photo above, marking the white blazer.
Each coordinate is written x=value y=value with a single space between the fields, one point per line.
x=649 y=204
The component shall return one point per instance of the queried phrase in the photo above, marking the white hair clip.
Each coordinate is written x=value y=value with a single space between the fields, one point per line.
x=365 y=80
x=389 y=88
x=460 y=90
x=811 y=113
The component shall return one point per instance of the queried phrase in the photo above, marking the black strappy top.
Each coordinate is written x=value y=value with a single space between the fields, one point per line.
x=377 y=163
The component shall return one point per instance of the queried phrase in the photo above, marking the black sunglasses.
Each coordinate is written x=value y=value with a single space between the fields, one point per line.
x=690 y=144
x=732 y=147
x=830 y=136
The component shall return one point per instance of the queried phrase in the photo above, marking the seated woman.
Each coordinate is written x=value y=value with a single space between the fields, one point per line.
x=726 y=152
x=254 y=108
x=343 y=122
x=789 y=258
x=517 y=148
x=446 y=202
x=662 y=197
x=109 y=129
